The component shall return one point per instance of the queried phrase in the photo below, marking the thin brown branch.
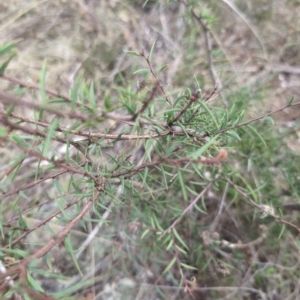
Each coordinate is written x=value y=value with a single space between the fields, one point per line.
x=79 y=133
x=146 y=102
x=11 y=169
x=260 y=207
x=259 y=117
x=20 y=268
x=190 y=206
x=208 y=46
x=36 y=87
x=207 y=96
x=110 y=115
x=156 y=77
x=174 y=130
x=55 y=240
x=12 y=99
x=43 y=222
x=36 y=132
x=222 y=155
x=31 y=184
x=192 y=99
x=62 y=234
x=57 y=164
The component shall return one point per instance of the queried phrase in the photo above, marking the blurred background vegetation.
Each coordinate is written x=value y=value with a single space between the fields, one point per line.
x=244 y=57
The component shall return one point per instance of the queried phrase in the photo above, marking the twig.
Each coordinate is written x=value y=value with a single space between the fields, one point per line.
x=207 y=97
x=57 y=164
x=146 y=102
x=248 y=23
x=36 y=132
x=222 y=155
x=258 y=118
x=32 y=184
x=33 y=86
x=93 y=233
x=155 y=76
x=192 y=204
x=208 y=47
x=12 y=99
x=11 y=169
x=43 y=222
x=174 y=130
x=193 y=98
x=214 y=224
x=286 y=69
x=54 y=241
x=262 y=208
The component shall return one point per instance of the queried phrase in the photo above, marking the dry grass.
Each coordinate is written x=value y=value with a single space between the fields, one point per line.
x=255 y=53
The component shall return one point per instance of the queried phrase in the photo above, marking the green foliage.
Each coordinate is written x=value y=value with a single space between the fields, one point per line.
x=171 y=181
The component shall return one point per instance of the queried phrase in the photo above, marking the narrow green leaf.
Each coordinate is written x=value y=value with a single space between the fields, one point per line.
x=170 y=245
x=164 y=176
x=15 y=252
x=181 y=250
x=183 y=189
x=257 y=134
x=34 y=284
x=233 y=134
x=250 y=189
x=6 y=63
x=167 y=239
x=157 y=223
x=6 y=48
x=133 y=53
x=292 y=100
x=151 y=52
x=188 y=266
x=202 y=104
x=239 y=118
x=152 y=223
x=269 y=119
x=16 y=202
x=69 y=248
x=23 y=195
x=178 y=237
x=48 y=262
x=52 y=129
x=200 y=209
x=141 y=71
x=74 y=288
x=202 y=149
x=91 y=97
x=122 y=183
x=19 y=140
x=3 y=132
x=145 y=3
x=1 y=220
x=170 y=265
x=225 y=120
x=107 y=104
x=161 y=69
x=10 y=109
x=75 y=90
x=43 y=83
x=178 y=99
x=145 y=233
x=60 y=200
x=145 y=175
x=68 y=148
x=281 y=231
x=21 y=222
